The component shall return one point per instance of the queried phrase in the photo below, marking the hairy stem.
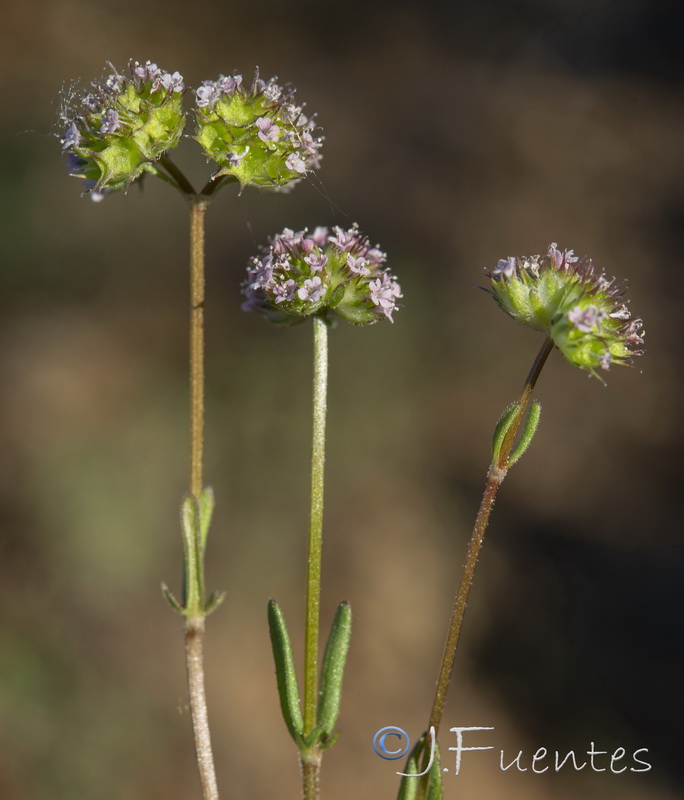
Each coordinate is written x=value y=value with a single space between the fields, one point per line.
x=311 y=766
x=194 y=625
x=311 y=771
x=194 y=659
x=198 y=208
x=497 y=472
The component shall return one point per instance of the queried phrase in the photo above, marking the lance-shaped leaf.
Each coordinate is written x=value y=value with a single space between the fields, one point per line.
x=171 y=600
x=436 y=791
x=206 y=509
x=193 y=579
x=531 y=425
x=332 y=671
x=502 y=428
x=285 y=672
x=408 y=788
x=413 y=779
x=214 y=601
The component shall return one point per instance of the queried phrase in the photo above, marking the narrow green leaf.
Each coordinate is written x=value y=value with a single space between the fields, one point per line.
x=436 y=791
x=502 y=428
x=214 y=601
x=531 y=425
x=332 y=670
x=408 y=788
x=193 y=589
x=206 y=510
x=175 y=605
x=285 y=672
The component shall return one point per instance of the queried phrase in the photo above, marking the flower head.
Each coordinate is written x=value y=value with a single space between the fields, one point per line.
x=566 y=297
x=122 y=125
x=256 y=133
x=339 y=273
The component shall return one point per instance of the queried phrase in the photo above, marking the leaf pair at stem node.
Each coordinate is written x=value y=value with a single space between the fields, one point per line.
x=330 y=685
x=504 y=452
x=195 y=521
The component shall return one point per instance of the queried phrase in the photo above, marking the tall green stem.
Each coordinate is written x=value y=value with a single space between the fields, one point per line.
x=311 y=766
x=496 y=474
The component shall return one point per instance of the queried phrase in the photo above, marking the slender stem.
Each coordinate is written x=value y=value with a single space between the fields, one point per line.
x=198 y=208
x=194 y=659
x=310 y=755
x=313 y=574
x=525 y=397
x=194 y=624
x=467 y=573
x=311 y=771
x=215 y=183
x=497 y=472
x=182 y=183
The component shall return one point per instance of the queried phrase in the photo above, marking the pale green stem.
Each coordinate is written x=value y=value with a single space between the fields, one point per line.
x=311 y=766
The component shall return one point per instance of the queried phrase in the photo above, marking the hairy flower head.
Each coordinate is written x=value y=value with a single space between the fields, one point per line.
x=119 y=127
x=569 y=300
x=323 y=272
x=256 y=133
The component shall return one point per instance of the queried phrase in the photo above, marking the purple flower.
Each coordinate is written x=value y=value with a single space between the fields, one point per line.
x=229 y=85
x=312 y=290
x=295 y=163
x=316 y=261
x=505 y=268
x=98 y=121
x=345 y=240
x=172 y=83
x=285 y=291
x=384 y=293
x=272 y=91
x=207 y=94
x=72 y=137
x=559 y=258
x=268 y=131
x=146 y=72
x=571 y=302
x=585 y=319
x=358 y=265
x=300 y=274
x=320 y=236
x=110 y=121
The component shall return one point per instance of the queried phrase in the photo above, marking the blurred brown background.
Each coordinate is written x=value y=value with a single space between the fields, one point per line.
x=456 y=134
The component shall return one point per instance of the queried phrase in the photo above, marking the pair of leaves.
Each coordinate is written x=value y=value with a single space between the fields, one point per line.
x=332 y=674
x=195 y=521
x=510 y=418
x=418 y=774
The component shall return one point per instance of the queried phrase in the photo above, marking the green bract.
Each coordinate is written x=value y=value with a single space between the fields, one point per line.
x=566 y=298
x=123 y=126
x=257 y=134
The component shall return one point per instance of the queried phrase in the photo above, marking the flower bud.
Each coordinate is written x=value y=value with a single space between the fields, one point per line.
x=122 y=126
x=257 y=134
x=338 y=273
x=566 y=298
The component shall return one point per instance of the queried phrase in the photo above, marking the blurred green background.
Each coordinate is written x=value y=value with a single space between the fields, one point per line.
x=456 y=134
